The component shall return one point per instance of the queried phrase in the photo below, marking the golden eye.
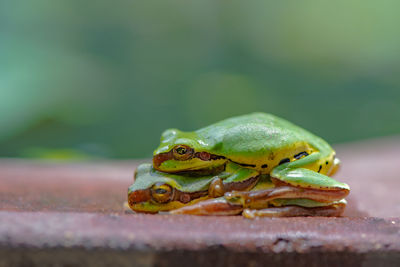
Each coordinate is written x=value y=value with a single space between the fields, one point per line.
x=161 y=193
x=182 y=152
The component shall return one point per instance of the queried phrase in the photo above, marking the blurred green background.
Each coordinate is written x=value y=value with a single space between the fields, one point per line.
x=83 y=79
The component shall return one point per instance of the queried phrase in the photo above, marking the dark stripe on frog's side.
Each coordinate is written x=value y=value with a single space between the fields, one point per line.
x=300 y=155
x=285 y=160
x=264 y=166
x=244 y=164
x=160 y=158
x=207 y=156
x=320 y=167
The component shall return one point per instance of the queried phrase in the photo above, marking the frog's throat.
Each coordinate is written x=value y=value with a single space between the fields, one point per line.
x=162 y=157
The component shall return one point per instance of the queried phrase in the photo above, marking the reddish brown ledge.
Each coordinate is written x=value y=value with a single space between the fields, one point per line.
x=71 y=214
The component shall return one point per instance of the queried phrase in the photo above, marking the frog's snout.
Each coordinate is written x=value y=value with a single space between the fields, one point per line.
x=160 y=158
x=139 y=196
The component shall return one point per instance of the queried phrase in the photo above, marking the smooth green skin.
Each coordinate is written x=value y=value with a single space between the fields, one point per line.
x=146 y=176
x=257 y=139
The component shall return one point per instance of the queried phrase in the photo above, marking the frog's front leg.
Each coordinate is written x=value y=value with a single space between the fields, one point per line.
x=214 y=206
x=239 y=179
x=293 y=184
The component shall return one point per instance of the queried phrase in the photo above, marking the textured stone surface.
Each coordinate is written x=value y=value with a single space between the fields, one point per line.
x=164 y=232
x=71 y=214
x=82 y=187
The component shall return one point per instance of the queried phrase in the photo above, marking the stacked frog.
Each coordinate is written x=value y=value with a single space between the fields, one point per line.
x=254 y=165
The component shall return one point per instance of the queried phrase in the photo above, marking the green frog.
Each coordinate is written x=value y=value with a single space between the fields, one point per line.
x=222 y=194
x=261 y=142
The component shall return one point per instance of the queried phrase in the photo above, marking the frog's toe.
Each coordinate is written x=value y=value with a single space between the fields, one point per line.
x=249 y=213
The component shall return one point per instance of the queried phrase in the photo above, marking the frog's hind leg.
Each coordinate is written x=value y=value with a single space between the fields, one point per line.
x=295 y=211
x=240 y=179
x=307 y=179
x=292 y=184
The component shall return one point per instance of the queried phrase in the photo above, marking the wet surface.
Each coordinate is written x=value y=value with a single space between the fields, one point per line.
x=67 y=207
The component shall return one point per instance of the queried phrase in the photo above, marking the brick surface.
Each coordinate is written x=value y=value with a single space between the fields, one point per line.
x=50 y=211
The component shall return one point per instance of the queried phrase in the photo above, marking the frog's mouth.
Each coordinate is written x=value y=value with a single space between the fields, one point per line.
x=144 y=195
x=163 y=157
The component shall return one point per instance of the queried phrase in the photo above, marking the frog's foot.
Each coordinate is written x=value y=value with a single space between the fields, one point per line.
x=260 y=198
x=217 y=206
x=295 y=211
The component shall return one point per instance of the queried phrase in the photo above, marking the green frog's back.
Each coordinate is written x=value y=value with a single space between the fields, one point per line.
x=259 y=138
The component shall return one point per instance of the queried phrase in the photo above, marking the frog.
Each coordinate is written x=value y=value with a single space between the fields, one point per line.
x=154 y=191
x=262 y=142
x=220 y=194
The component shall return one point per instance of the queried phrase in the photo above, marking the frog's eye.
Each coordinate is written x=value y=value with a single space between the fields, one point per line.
x=182 y=152
x=161 y=193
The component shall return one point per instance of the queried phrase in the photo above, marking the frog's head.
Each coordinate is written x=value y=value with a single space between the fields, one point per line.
x=158 y=197
x=154 y=191
x=184 y=151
